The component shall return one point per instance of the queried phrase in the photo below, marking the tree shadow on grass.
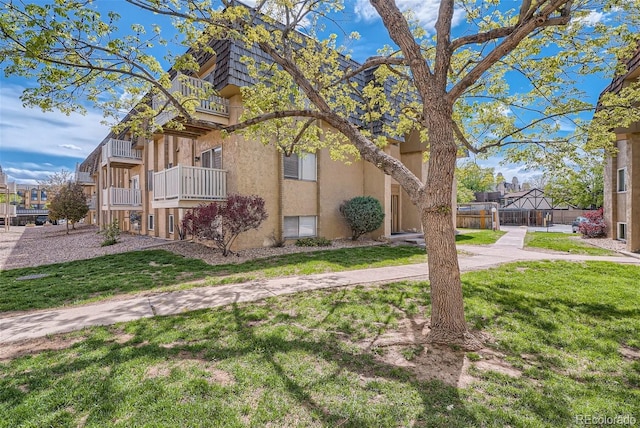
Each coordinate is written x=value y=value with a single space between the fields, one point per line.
x=278 y=370
x=351 y=388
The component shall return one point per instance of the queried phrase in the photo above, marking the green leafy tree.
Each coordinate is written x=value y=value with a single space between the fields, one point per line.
x=450 y=87
x=364 y=214
x=473 y=178
x=581 y=184
x=69 y=203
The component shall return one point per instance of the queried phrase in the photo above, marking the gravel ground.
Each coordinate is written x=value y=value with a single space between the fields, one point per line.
x=606 y=243
x=41 y=245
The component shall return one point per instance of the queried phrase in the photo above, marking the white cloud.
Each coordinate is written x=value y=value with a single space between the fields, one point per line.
x=70 y=146
x=29 y=173
x=508 y=170
x=565 y=125
x=53 y=133
x=592 y=18
x=425 y=11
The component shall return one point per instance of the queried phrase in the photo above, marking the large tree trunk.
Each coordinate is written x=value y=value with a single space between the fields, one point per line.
x=448 y=325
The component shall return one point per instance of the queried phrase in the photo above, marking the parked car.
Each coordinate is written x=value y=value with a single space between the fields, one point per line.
x=41 y=219
x=575 y=224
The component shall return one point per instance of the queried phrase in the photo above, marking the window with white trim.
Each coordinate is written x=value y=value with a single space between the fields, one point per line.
x=300 y=226
x=622 y=180
x=300 y=167
x=150 y=222
x=171 y=223
x=212 y=158
x=622 y=231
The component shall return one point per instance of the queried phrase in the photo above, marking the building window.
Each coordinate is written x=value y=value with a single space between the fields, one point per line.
x=150 y=222
x=43 y=195
x=150 y=180
x=212 y=158
x=170 y=223
x=622 y=180
x=299 y=227
x=34 y=194
x=301 y=167
x=622 y=231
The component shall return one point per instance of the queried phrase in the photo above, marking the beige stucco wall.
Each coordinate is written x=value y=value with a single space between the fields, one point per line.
x=339 y=182
x=620 y=161
x=378 y=185
x=410 y=214
x=624 y=207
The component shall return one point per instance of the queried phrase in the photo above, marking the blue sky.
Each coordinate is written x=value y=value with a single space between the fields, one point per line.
x=34 y=145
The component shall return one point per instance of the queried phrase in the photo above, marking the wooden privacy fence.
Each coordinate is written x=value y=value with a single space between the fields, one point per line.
x=478 y=216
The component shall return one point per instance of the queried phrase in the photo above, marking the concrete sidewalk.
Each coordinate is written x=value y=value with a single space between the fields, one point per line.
x=42 y=323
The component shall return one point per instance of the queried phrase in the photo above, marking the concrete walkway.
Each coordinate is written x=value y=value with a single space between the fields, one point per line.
x=42 y=323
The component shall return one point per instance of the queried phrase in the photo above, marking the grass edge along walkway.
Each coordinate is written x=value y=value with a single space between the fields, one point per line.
x=307 y=359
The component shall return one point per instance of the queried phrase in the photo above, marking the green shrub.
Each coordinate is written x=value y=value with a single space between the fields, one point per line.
x=363 y=214
x=111 y=234
x=313 y=242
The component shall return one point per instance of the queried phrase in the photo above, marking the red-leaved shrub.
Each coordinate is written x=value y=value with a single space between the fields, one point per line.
x=594 y=227
x=222 y=222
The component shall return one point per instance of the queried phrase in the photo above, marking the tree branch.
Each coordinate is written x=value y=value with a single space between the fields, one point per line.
x=371 y=62
x=479 y=38
x=511 y=42
x=443 y=44
x=460 y=136
x=400 y=32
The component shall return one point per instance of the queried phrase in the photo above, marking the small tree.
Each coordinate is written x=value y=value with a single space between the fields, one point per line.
x=363 y=214
x=222 y=222
x=595 y=226
x=111 y=233
x=69 y=202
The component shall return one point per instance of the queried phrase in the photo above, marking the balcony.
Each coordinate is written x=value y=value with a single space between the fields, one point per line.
x=188 y=186
x=84 y=178
x=119 y=153
x=121 y=198
x=186 y=88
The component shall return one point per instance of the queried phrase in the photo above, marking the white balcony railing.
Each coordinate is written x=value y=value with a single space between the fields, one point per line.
x=119 y=149
x=83 y=177
x=118 y=196
x=190 y=183
x=187 y=88
x=7 y=210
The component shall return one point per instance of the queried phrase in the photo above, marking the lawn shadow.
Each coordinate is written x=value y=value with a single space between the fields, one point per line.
x=100 y=360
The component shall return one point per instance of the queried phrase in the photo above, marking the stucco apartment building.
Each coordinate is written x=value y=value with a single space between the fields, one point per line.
x=622 y=172
x=163 y=177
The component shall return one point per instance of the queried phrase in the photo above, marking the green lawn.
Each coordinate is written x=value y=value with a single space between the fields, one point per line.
x=84 y=281
x=565 y=243
x=89 y=280
x=478 y=236
x=302 y=360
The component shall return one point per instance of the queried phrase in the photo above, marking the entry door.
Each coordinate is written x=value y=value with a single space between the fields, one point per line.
x=395 y=217
x=135 y=182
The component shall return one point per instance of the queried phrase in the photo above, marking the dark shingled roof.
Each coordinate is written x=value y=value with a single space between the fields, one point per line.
x=632 y=65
